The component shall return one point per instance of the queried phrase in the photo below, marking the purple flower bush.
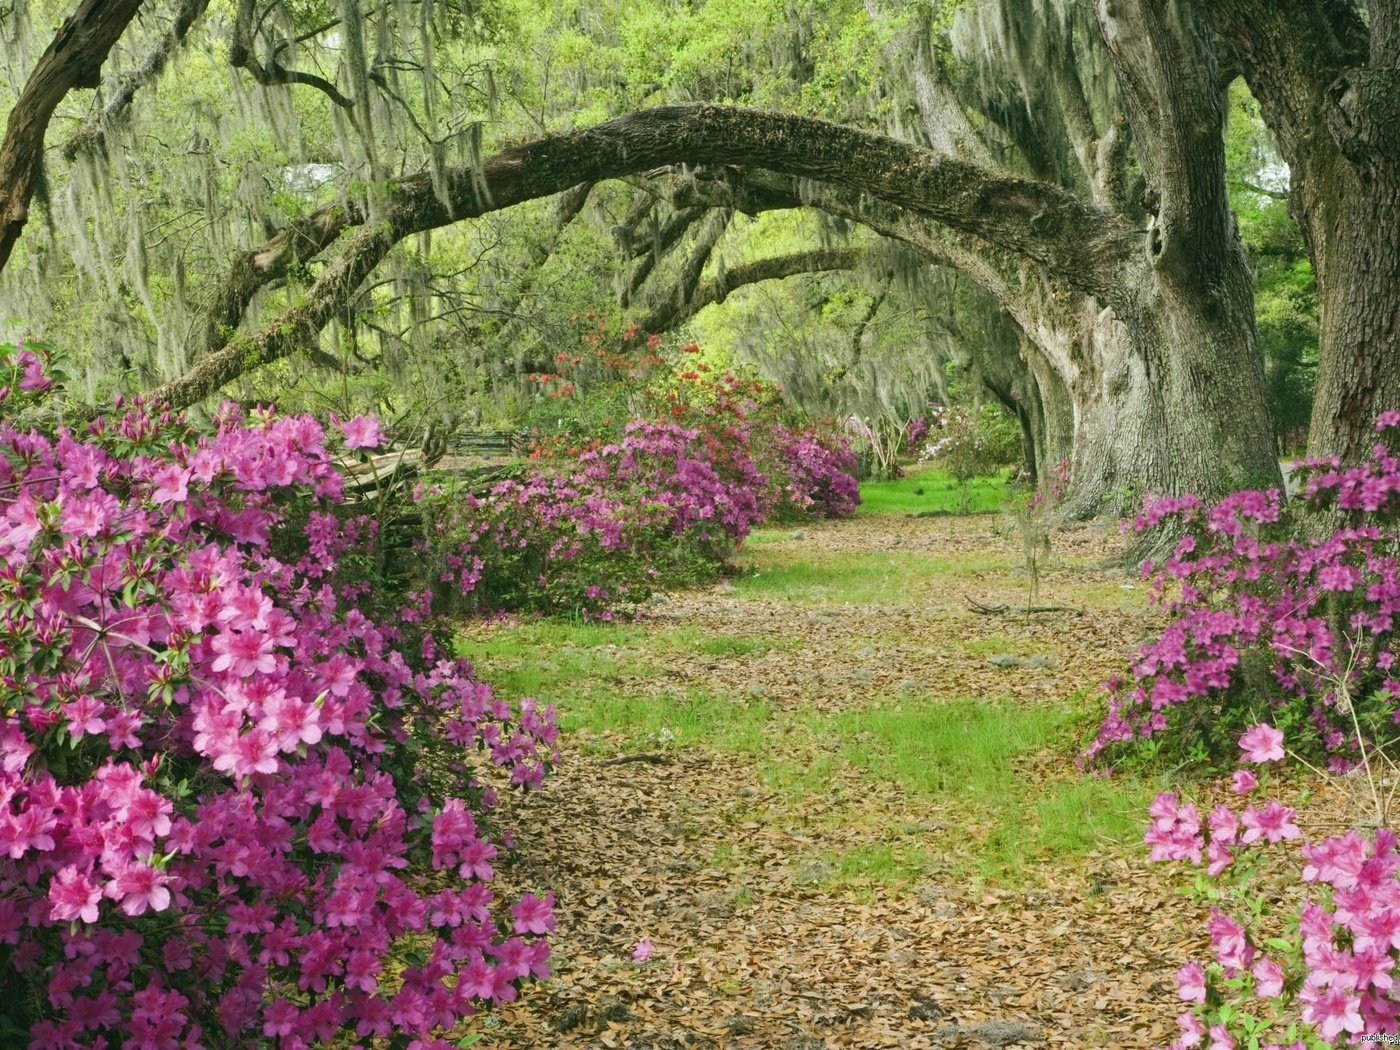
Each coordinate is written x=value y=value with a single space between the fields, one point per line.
x=1279 y=642
x=596 y=532
x=818 y=476
x=213 y=827
x=1298 y=629
x=604 y=531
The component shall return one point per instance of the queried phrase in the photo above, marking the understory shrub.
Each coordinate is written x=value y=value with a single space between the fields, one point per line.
x=604 y=521
x=1279 y=642
x=970 y=443
x=214 y=824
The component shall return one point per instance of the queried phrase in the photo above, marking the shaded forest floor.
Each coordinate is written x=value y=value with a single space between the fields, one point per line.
x=843 y=807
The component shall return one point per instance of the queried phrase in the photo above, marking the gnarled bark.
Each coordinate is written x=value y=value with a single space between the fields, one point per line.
x=73 y=59
x=1328 y=86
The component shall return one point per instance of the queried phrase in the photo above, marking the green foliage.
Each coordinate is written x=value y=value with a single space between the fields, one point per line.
x=1285 y=291
x=973 y=443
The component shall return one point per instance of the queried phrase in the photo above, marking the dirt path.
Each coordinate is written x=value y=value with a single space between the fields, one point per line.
x=729 y=874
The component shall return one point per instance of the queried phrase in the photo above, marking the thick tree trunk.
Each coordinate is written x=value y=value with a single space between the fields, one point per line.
x=1049 y=412
x=1352 y=214
x=72 y=60
x=1328 y=85
x=1358 y=285
x=1166 y=402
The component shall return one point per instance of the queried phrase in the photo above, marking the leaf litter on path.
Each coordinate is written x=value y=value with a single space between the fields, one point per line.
x=762 y=930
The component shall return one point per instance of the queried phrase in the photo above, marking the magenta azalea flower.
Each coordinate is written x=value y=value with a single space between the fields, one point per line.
x=1243 y=782
x=1262 y=744
x=1273 y=823
x=362 y=432
x=1191 y=983
x=1191 y=1031
x=1334 y=1010
x=74 y=896
x=533 y=914
x=1268 y=978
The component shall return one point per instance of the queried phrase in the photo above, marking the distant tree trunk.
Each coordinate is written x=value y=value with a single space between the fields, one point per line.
x=1328 y=85
x=72 y=60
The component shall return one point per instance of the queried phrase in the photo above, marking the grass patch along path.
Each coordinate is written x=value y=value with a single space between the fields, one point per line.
x=836 y=819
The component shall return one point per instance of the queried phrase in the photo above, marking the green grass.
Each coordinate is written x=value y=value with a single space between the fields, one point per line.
x=694 y=640
x=931 y=748
x=880 y=864
x=928 y=490
x=967 y=757
x=516 y=668
x=855 y=578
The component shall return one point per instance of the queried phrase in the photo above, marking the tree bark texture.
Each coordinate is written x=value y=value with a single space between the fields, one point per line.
x=1328 y=86
x=73 y=59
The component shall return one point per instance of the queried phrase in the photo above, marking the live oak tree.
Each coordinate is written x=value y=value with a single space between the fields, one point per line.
x=1106 y=235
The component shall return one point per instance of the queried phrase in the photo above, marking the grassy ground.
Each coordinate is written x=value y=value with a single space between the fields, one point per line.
x=831 y=735
x=930 y=491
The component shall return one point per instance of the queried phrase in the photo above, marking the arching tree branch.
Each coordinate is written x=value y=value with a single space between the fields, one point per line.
x=73 y=59
x=92 y=135
x=672 y=313
x=240 y=54
x=1080 y=243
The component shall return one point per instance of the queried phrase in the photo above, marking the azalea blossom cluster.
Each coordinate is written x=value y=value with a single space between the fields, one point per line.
x=1267 y=623
x=1325 y=977
x=917 y=429
x=602 y=530
x=820 y=476
x=210 y=817
x=596 y=531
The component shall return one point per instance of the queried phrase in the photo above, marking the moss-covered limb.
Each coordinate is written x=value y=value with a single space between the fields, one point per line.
x=241 y=54
x=270 y=261
x=73 y=59
x=1024 y=217
x=672 y=312
x=91 y=137
x=293 y=329
x=661 y=239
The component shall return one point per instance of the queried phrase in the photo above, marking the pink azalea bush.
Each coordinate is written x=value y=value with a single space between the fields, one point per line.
x=212 y=818
x=815 y=475
x=1279 y=643
x=602 y=529
x=597 y=531
x=1283 y=975
x=1266 y=623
